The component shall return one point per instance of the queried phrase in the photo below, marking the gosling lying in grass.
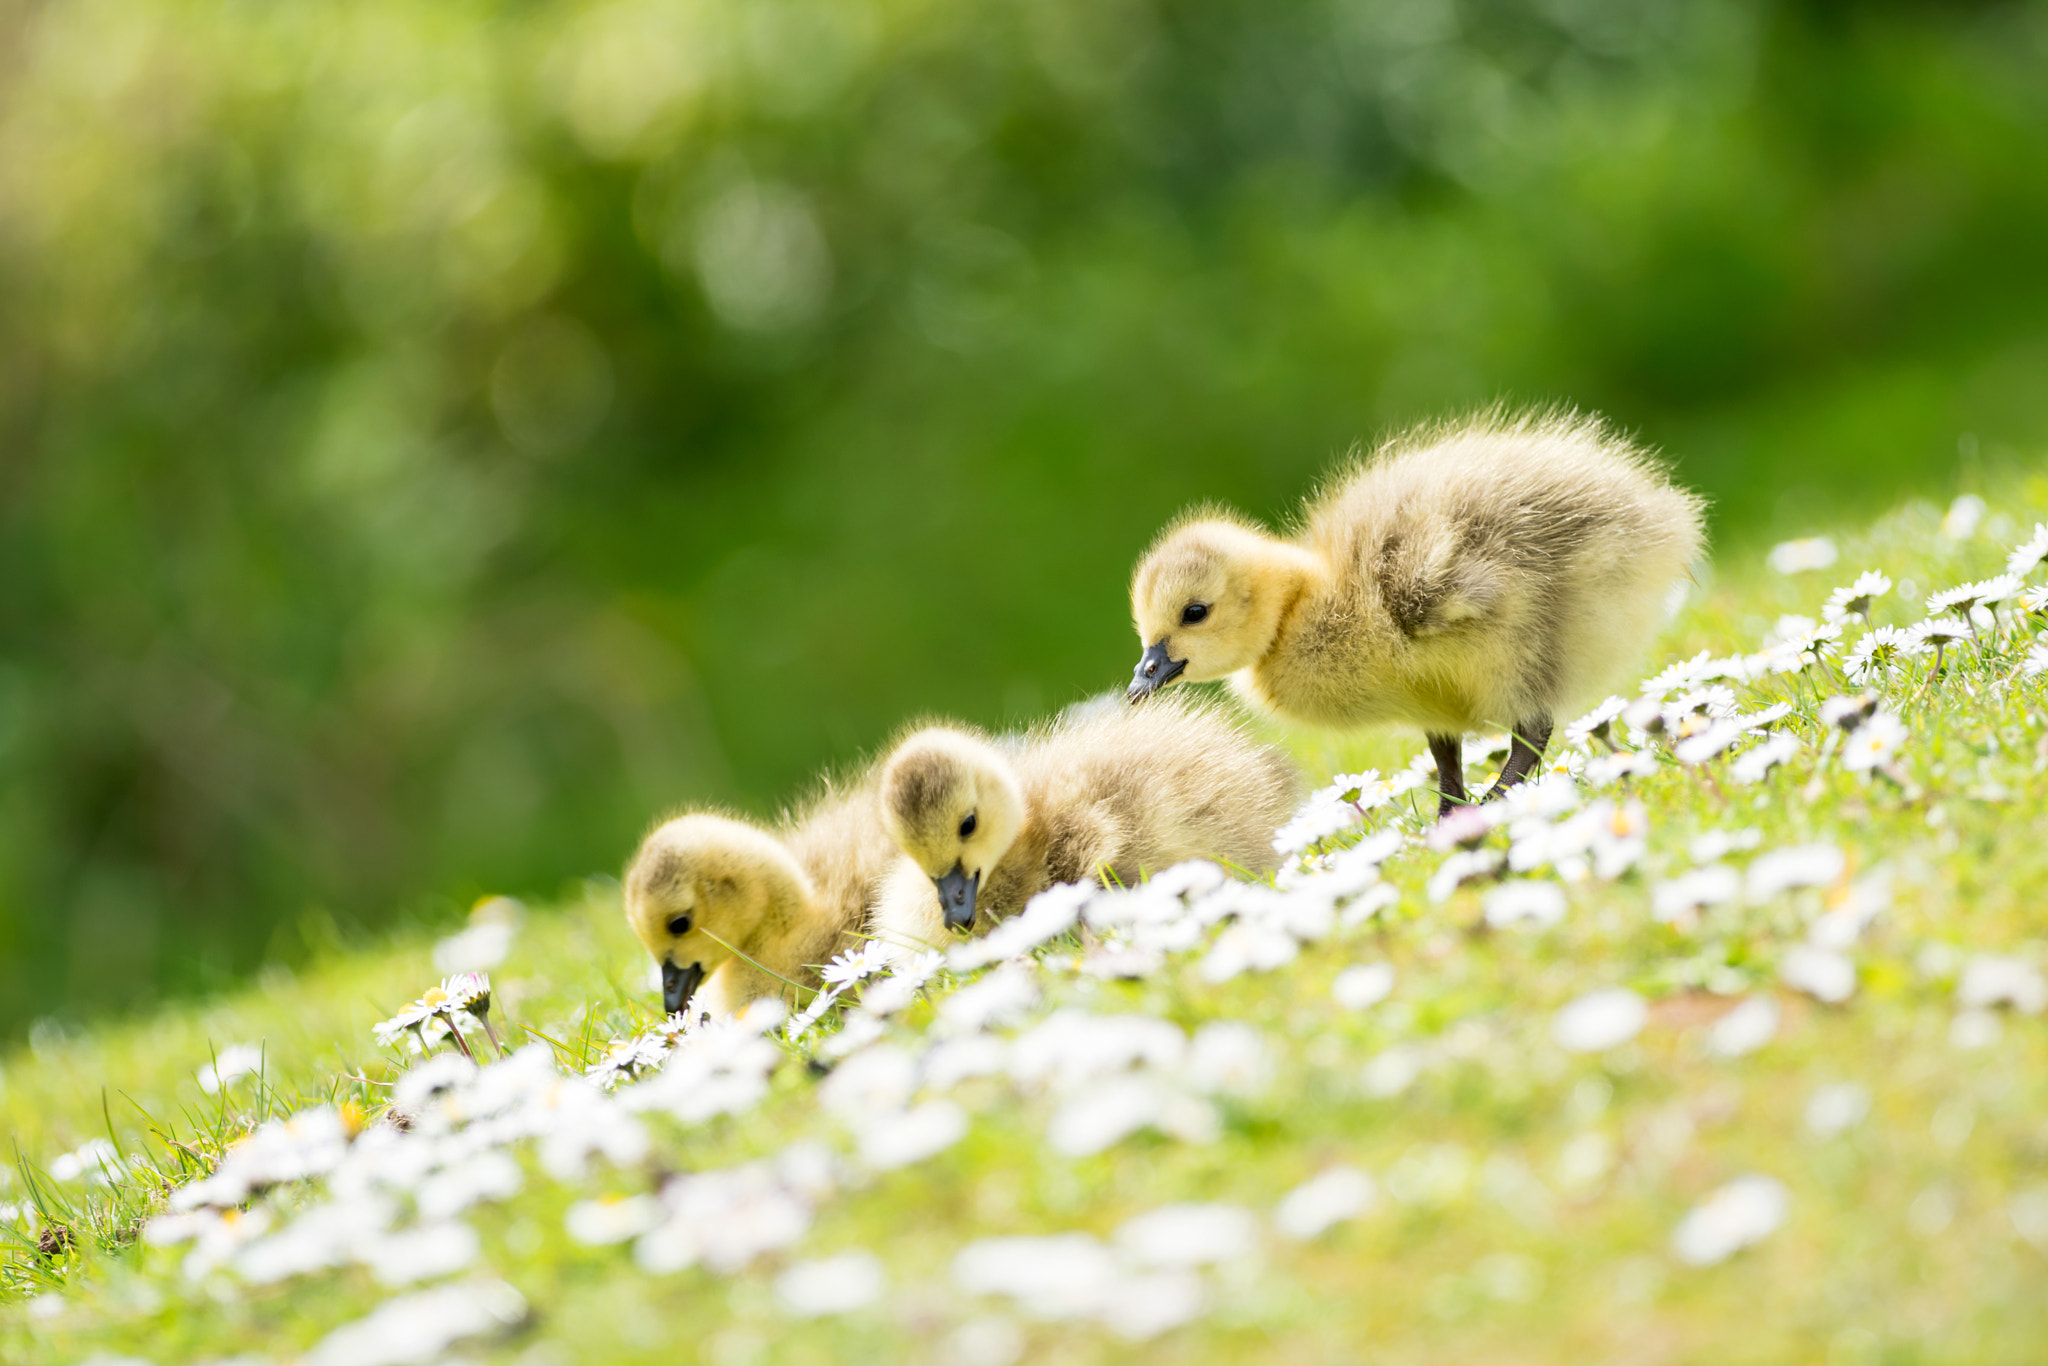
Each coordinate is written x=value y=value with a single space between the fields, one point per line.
x=730 y=908
x=985 y=825
x=1497 y=571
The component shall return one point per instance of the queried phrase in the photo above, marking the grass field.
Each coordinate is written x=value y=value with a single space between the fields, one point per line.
x=1698 y=1064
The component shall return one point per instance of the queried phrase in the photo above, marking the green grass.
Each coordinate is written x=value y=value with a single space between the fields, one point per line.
x=1503 y=1232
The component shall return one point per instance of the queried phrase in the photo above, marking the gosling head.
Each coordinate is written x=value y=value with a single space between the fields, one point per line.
x=1207 y=600
x=953 y=805
x=703 y=887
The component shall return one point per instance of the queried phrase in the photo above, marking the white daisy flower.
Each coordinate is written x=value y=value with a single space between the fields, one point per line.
x=2036 y=662
x=1684 y=674
x=852 y=966
x=1960 y=522
x=1324 y=1200
x=1872 y=659
x=1597 y=724
x=1873 y=743
x=1939 y=631
x=1990 y=980
x=1745 y=1211
x=831 y=1285
x=234 y=1062
x=1855 y=600
x=1798 y=557
x=2029 y=553
x=1963 y=598
x=1600 y=1020
x=1821 y=973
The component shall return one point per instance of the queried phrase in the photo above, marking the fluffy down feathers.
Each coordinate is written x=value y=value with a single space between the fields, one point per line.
x=709 y=891
x=1103 y=789
x=1488 y=572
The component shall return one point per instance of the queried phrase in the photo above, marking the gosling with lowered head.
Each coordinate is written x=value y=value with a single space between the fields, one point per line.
x=1496 y=571
x=985 y=825
x=725 y=905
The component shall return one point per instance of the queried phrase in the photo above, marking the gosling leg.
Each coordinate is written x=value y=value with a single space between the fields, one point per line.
x=1525 y=748
x=1448 y=752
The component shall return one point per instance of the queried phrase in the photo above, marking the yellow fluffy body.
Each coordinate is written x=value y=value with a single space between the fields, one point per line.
x=1107 y=787
x=789 y=900
x=1489 y=572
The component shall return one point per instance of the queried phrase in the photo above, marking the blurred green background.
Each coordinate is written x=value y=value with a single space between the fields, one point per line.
x=435 y=436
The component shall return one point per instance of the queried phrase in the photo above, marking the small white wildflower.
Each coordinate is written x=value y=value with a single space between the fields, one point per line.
x=234 y=1062
x=1389 y=1073
x=1711 y=742
x=479 y=948
x=1799 y=865
x=1745 y=1211
x=1874 y=743
x=1604 y=769
x=1458 y=867
x=1323 y=1201
x=1959 y=523
x=1600 y=1020
x=1363 y=986
x=1064 y=1276
x=1709 y=886
x=1151 y=1303
x=1677 y=677
x=1745 y=1029
x=1754 y=765
x=1939 y=631
x=1821 y=973
x=854 y=965
x=1879 y=650
x=1964 y=598
x=898 y=1140
x=831 y=1285
x=2036 y=662
x=1188 y=1235
x=1855 y=600
x=96 y=1158
x=1540 y=903
x=422 y=1253
x=1798 y=557
x=1992 y=979
x=420 y=1327
x=1835 y=1108
x=1597 y=724
x=1971 y=1030
x=1710 y=846
x=2029 y=553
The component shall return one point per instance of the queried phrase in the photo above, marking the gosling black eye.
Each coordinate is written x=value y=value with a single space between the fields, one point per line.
x=967 y=826
x=1194 y=613
x=679 y=925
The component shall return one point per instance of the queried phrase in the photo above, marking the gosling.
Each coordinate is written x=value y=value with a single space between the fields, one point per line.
x=1497 y=571
x=726 y=906
x=985 y=825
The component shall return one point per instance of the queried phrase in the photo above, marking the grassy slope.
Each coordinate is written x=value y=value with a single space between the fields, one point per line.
x=1866 y=1268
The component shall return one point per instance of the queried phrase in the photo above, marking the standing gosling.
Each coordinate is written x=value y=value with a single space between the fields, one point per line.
x=1498 y=571
x=707 y=893
x=989 y=825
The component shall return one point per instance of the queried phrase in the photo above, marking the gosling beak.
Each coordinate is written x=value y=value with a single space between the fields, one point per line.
x=956 y=896
x=678 y=985
x=1155 y=670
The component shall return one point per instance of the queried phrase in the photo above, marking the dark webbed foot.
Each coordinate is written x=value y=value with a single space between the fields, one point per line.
x=1450 y=773
x=1525 y=750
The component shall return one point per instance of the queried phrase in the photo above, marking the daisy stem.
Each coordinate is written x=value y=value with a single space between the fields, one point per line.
x=485 y=1019
x=456 y=1034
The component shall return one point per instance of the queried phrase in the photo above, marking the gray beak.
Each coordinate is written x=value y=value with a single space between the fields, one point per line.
x=678 y=985
x=956 y=896
x=1155 y=670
